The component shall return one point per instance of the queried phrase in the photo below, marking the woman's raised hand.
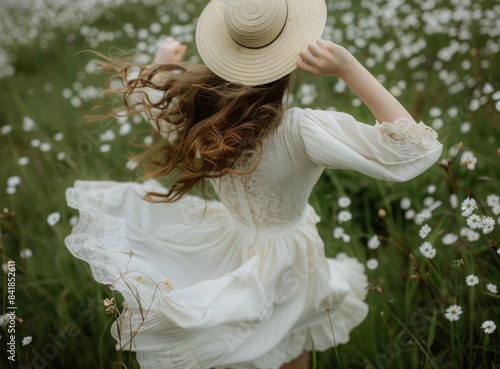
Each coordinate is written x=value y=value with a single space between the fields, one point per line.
x=324 y=58
x=170 y=51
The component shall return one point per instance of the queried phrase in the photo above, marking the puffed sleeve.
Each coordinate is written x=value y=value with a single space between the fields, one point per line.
x=143 y=95
x=393 y=151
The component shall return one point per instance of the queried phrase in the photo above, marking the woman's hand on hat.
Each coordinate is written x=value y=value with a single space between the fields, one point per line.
x=324 y=58
x=170 y=51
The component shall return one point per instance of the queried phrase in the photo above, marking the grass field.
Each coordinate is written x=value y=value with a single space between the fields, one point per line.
x=440 y=58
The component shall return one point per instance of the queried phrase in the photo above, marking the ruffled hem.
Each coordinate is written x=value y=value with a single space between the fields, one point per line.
x=223 y=317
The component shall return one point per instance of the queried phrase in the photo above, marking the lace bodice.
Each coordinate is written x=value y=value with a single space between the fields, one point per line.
x=276 y=193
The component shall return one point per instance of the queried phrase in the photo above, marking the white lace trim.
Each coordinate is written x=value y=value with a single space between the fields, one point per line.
x=86 y=243
x=404 y=134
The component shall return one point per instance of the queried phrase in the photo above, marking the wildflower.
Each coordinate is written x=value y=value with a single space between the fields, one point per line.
x=28 y=124
x=27 y=340
x=423 y=216
x=409 y=214
x=488 y=224
x=471 y=280
x=110 y=305
x=373 y=242
x=13 y=181
x=35 y=142
x=427 y=250
x=344 y=216
x=492 y=200
x=428 y=201
x=453 y=201
x=496 y=209
x=58 y=136
x=474 y=221
x=26 y=253
x=73 y=220
x=4 y=319
x=472 y=236
x=468 y=159
x=492 y=288
x=344 y=202
x=23 y=160
x=489 y=326
x=10 y=190
x=431 y=189
x=468 y=206
x=105 y=148
x=338 y=232
x=45 y=146
x=453 y=313
x=405 y=203
x=424 y=231
x=372 y=264
x=449 y=238
x=167 y=284
x=109 y=135
x=53 y=218
x=346 y=238
x=5 y=129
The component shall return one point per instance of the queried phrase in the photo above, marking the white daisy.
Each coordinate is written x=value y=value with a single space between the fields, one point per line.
x=453 y=201
x=449 y=239
x=427 y=250
x=344 y=216
x=344 y=201
x=13 y=181
x=405 y=203
x=453 y=313
x=469 y=159
x=23 y=160
x=492 y=288
x=488 y=224
x=474 y=221
x=26 y=253
x=53 y=218
x=373 y=242
x=372 y=264
x=424 y=231
x=73 y=220
x=468 y=206
x=338 y=232
x=492 y=200
x=489 y=326
x=346 y=238
x=471 y=280
x=496 y=209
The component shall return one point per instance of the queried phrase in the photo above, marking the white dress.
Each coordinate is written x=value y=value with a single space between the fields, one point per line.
x=241 y=282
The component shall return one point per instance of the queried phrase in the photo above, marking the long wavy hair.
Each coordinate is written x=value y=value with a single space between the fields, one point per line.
x=209 y=123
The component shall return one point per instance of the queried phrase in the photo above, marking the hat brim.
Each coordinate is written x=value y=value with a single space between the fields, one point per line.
x=235 y=63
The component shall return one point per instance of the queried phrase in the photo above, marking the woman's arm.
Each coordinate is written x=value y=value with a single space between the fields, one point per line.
x=170 y=51
x=324 y=58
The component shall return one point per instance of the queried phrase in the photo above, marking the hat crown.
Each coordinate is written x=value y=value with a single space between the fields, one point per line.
x=255 y=23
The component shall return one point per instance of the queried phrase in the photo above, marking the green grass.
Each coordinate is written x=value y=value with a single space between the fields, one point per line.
x=61 y=307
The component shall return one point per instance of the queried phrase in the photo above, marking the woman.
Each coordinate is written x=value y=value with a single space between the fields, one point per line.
x=241 y=281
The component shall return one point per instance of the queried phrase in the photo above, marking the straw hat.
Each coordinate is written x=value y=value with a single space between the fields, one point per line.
x=255 y=42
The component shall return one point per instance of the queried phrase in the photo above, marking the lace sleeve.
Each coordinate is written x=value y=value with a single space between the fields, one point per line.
x=396 y=151
x=404 y=134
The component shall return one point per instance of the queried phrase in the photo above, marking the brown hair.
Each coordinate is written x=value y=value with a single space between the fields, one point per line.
x=213 y=122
